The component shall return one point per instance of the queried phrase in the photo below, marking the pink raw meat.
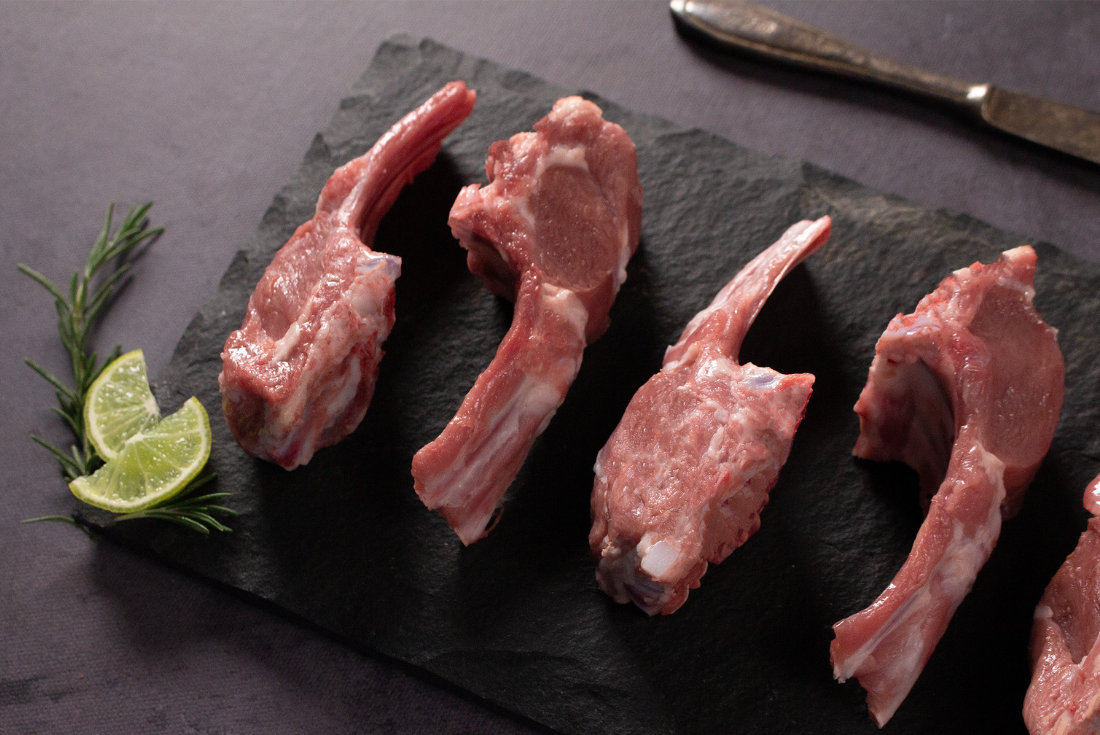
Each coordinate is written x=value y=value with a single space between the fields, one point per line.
x=1064 y=696
x=300 y=372
x=683 y=478
x=967 y=391
x=554 y=230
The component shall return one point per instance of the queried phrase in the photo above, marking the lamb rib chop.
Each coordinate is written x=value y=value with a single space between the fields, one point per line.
x=1064 y=696
x=300 y=372
x=683 y=478
x=553 y=229
x=967 y=391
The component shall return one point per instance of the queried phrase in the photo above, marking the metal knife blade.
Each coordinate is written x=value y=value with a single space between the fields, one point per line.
x=1062 y=127
x=763 y=32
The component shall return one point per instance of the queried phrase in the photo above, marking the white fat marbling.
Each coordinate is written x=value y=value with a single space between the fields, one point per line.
x=714 y=450
x=350 y=387
x=624 y=256
x=569 y=156
x=287 y=342
x=567 y=304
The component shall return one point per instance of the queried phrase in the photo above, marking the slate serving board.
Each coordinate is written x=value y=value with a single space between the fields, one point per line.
x=345 y=545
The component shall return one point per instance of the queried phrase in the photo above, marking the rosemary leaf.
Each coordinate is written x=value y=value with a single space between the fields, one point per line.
x=50 y=378
x=67 y=463
x=41 y=280
x=62 y=519
x=85 y=529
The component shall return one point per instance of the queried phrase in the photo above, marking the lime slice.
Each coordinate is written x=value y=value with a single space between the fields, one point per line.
x=119 y=404
x=153 y=465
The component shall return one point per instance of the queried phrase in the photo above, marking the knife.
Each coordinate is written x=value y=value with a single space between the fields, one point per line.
x=749 y=28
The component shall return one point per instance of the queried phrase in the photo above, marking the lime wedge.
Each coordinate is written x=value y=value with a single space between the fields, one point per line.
x=153 y=464
x=119 y=404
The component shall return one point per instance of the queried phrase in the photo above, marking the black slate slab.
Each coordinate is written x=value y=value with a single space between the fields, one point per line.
x=344 y=544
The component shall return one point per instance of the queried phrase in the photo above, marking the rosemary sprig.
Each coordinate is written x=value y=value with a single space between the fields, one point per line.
x=89 y=294
x=196 y=513
x=76 y=315
x=71 y=520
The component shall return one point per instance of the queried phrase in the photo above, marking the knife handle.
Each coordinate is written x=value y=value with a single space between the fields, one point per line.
x=743 y=27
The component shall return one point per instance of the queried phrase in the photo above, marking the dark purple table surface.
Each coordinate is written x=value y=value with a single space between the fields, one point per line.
x=207 y=108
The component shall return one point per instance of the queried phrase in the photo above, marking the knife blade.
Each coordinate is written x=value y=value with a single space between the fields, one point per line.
x=743 y=27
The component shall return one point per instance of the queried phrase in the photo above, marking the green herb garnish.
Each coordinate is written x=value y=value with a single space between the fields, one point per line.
x=89 y=294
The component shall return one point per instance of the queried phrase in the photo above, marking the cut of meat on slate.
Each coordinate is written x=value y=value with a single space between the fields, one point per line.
x=300 y=373
x=683 y=478
x=967 y=391
x=1064 y=696
x=553 y=230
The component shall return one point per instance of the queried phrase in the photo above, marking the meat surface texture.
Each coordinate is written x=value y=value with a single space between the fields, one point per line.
x=684 y=476
x=1064 y=696
x=553 y=230
x=967 y=391
x=300 y=372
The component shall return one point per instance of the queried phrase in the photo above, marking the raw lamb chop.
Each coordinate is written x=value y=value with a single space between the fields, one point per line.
x=683 y=478
x=967 y=391
x=1064 y=696
x=299 y=374
x=553 y=229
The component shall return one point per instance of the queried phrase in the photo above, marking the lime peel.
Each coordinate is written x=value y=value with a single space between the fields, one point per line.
x=153 y=465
